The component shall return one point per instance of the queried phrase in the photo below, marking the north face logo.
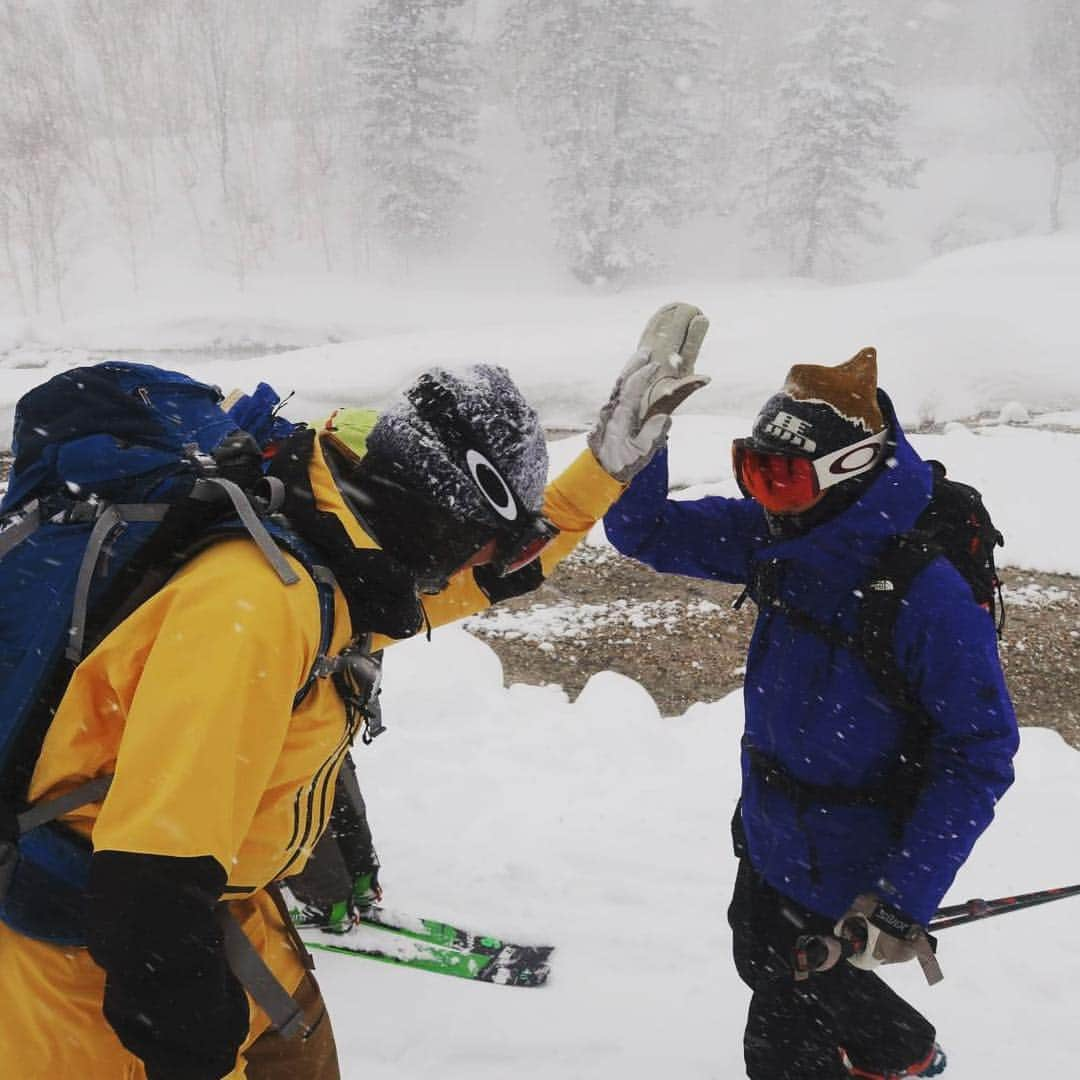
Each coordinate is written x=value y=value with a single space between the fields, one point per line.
x=791 y=429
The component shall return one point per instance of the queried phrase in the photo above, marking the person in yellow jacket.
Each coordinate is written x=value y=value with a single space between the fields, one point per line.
x=221 y=786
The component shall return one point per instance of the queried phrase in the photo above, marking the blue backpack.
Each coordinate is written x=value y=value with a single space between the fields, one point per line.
x=121 y=472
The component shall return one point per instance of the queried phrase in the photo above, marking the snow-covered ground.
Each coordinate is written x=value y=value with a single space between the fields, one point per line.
x=599 y=825
x=603 y=828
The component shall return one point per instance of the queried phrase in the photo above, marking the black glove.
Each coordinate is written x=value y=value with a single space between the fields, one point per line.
x=169 y=993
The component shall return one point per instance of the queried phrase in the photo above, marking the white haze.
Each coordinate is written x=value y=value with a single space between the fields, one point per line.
x=160 y=152
x=201 y=181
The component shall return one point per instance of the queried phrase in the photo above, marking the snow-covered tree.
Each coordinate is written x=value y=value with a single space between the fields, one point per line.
x=417 y=97
x=611 y=89
x=1052 y=88
x=834 y=140
x=43 y=147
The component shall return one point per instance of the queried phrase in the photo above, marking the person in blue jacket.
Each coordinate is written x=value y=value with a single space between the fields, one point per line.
x=831 y=839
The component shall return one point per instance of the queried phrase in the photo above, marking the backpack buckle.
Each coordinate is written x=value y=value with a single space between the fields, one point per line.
x=357 y=676
x=204 y=463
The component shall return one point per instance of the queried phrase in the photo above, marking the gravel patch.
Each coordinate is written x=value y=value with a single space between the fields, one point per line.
x=682 y=639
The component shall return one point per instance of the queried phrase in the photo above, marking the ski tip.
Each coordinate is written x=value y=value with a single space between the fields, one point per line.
x=520 y=966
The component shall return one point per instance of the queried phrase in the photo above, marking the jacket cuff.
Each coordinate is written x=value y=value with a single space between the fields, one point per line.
x=581 y=494
x=904 y=896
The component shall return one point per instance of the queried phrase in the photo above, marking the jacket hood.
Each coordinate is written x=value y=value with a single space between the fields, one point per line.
x=380 y=591
x=330 y=500
x=845 y=547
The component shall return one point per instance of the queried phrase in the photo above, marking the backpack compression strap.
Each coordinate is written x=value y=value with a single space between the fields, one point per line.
x=112 y=517
x=41 y=814
x=255 y=976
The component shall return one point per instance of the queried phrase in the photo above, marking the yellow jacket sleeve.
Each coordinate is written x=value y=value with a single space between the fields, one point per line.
x=574 y=501
x=202 y=679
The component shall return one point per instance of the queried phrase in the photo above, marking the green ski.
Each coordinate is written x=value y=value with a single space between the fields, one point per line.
x=437 y=947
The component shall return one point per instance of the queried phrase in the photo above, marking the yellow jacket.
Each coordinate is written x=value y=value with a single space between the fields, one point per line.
x=188 y=704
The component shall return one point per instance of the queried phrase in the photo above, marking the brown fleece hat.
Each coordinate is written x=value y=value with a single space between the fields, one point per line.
x=822 y=409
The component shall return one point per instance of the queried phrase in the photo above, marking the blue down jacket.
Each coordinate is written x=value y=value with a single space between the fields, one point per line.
x=811 y=704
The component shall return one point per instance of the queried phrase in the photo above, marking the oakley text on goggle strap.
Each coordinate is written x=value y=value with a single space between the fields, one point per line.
x=789 y=482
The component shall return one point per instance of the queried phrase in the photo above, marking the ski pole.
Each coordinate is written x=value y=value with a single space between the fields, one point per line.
x=974 y=910
x=817 y=952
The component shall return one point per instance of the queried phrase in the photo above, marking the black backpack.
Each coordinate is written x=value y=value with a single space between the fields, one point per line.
x=956 y=525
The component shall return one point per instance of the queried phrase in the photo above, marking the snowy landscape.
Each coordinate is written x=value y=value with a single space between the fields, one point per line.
x=596 y=825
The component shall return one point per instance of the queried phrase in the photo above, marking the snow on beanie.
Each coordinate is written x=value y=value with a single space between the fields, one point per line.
x=428 y=432
x=822 y=409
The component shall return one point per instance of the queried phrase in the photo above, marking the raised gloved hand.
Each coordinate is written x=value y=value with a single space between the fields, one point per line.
x=658 y=378
x=885 y=935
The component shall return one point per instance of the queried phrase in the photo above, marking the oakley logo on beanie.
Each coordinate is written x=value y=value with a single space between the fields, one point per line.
x=492 y=486
x=456 y=465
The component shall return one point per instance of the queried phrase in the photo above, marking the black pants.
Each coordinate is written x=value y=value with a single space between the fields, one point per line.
x=795 y=1030
x=343 y=852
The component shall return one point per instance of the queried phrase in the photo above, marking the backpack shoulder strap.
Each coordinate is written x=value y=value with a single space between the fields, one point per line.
x=325 y=586
x=763 y=588
x=883 y=597
x=282 y=538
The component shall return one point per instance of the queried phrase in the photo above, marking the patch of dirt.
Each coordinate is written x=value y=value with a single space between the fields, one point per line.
x=681 y=639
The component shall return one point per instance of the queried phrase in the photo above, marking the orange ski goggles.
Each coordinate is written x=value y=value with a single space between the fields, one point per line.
x=791 y=483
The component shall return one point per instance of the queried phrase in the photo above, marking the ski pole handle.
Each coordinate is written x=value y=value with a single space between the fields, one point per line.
x=820 y=952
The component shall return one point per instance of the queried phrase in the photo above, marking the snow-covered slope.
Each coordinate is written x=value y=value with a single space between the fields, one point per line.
x=965 y=334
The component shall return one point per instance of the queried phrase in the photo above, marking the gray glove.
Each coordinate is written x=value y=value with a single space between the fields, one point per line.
x=885 y=935
x=658 y=378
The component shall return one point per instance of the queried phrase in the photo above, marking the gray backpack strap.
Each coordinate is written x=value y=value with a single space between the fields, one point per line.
x=114 y=516
x=43 y=812
x=246 y=964
x=258 y=980
x=250 y=520
x=25 y=526
x=111 y=518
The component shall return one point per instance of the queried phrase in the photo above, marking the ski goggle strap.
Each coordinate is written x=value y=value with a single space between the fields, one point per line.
x=787 y=483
